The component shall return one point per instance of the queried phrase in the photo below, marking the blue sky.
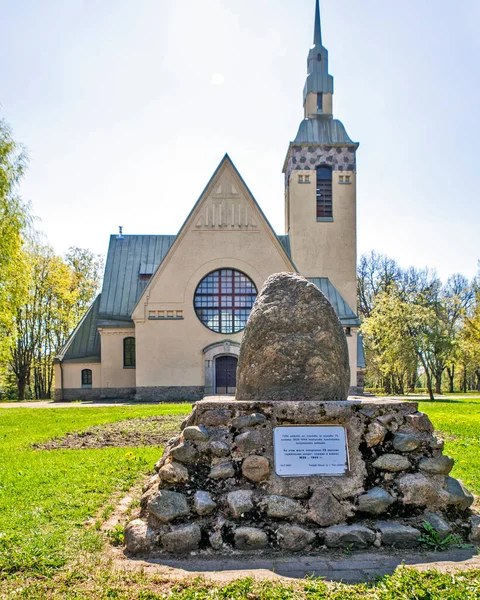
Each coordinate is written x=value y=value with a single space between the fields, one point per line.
x=127 y=107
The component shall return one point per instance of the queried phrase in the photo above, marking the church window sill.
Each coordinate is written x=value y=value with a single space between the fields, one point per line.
x=324 y=219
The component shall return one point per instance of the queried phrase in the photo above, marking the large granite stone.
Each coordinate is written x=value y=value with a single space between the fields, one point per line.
x=182 y=539
x=459 y=496
x=392 y=463
x=281 y=507
x=355 y=536
x=250 y=538
x=376 y=501
x=397 y=535
x=139 y=538
x=256 y=468
x=325 y=509
x=293 y=346
x=167 y=506
x=440 y=465
x=293 y=538
x=417 y=490
x=239 y=502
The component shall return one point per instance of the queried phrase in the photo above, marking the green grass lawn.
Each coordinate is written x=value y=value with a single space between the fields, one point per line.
x=46 y=496
x=47 y=550
x=458 y=418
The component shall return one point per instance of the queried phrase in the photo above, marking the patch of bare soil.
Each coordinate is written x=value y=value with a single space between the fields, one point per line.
x=148 y=431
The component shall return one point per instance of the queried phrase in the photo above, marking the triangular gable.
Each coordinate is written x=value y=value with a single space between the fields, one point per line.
x=218 y=208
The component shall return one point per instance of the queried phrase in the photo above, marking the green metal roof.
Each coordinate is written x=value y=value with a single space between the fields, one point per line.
x=360 y=352
x=285 y=241
x=346 y=315
x=130 y=260
x=83 y=345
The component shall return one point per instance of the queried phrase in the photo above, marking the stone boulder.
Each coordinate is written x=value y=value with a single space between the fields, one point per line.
x=294 y=538
x=293 y=346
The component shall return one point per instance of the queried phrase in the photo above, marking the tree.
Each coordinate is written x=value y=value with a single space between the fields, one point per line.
x=87 y=269
x=14 y=219
x=58 y=293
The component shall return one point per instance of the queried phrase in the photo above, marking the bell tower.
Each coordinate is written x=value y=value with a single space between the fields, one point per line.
x=320 y=183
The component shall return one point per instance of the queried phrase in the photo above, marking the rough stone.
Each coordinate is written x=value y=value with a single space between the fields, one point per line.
x=281 y=507
x=203 y=503
x=256 y=468
x=392 y=463
x=155 y=480
x=439 y=524
x=440 y=465
x=222 y=471
x=420 y=421
x=417 y=490
x=139 y=538
x=474 y=536
x=248 y=420
x=250 y=538
x=239 y=502
x=185 y=453
x=325 y=509
x=376 y=501
x=293 y=538
x=405 y=442
x=173 y=472
x=219 y=449
x=395 y=534
x=196 y=433
x=345 y=536
x=375 y=434
x=167 y=506
x=459 y=496
x=214 y=418
x=437 y=444
x=190 y=420
x=182 y=539
x=250 y=440
x=293 y=346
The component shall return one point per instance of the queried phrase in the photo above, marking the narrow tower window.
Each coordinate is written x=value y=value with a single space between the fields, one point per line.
x=129 y=352
x=320 y=102
x=324 y=193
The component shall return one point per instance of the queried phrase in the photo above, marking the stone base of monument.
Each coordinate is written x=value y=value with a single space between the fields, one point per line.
x=298 y=475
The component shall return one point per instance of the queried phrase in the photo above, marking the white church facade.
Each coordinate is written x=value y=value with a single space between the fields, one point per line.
x=169 y=320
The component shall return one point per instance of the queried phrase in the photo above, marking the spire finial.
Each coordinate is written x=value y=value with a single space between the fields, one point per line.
x=317 y=38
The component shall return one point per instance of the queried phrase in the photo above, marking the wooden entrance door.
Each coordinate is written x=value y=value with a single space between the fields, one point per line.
x=225 y=375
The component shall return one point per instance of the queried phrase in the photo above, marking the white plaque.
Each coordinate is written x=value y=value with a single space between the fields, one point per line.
x=310 y=450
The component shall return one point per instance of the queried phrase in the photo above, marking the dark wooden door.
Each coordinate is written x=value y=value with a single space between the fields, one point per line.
x=225 y=375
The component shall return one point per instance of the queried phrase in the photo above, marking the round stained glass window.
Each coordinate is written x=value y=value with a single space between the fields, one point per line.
x=223 y=300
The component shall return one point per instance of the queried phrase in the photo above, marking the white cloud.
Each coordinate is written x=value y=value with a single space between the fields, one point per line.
x=217 y=79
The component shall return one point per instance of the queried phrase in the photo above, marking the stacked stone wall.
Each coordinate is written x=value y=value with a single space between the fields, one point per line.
x=216 y=488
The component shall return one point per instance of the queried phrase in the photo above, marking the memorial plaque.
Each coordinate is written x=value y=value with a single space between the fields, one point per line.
x=310 y=450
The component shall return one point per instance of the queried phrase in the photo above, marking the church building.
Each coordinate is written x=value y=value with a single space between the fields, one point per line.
x=169 y=320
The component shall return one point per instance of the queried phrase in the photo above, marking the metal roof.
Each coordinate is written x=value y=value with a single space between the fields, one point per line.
x=83 y=345
x=346 y=315
x=360 y=352
x=285 y=241
x=323 y=130
x=128 y=258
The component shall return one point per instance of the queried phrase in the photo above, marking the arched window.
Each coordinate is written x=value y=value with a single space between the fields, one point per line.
x=223 y=300
x=86 y=378
x=129 y=353
x=324 y=193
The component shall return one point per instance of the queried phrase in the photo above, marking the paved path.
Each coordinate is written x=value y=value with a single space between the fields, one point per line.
x=120 y=402
x=356 y=568
x=51 y=404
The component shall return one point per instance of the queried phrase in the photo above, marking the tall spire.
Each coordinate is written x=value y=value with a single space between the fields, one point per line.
x=317 y=37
